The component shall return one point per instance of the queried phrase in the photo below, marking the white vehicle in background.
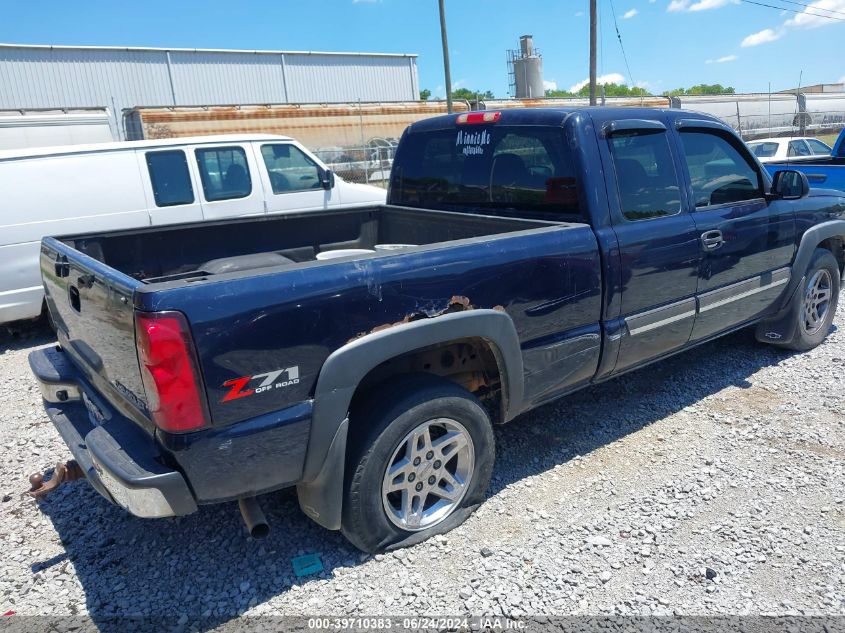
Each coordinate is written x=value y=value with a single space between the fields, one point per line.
x=772 y=149
x=114 y=186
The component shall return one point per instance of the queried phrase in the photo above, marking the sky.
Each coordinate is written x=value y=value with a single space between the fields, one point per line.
x=669 y=43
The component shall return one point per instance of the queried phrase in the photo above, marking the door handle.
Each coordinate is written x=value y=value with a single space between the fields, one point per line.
x=711 y=240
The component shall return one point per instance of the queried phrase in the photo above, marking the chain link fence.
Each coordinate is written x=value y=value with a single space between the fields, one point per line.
x=810 y=124
x=368 y=165
x=754 y=119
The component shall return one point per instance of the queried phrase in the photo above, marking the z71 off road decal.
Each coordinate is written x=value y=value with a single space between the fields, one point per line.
x=269 y=380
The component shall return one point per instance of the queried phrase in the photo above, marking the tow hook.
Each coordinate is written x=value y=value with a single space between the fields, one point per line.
x=64 y=471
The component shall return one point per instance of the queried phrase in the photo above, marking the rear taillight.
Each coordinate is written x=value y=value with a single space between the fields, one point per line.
x=170 y=371
x=478 y=117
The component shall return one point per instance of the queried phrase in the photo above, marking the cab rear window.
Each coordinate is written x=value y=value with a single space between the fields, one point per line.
x=524 y=168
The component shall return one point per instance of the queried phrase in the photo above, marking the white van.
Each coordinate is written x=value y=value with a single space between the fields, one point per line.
x=85 y=188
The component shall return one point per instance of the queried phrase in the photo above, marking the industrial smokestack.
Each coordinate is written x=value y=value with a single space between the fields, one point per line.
x=526 y=45
x=527 y=70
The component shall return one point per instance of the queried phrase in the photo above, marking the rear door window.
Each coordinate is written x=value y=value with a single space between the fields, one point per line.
x=645 y=174
x=289 y=168
x=170 y=178
x=798 y=148
x=490 y=168
x=224 y=173
x=719 y=172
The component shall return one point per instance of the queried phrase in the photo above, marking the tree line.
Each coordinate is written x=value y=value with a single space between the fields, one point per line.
x=610 y=90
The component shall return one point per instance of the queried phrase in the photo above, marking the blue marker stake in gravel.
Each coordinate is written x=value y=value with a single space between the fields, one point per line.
x=307 y=565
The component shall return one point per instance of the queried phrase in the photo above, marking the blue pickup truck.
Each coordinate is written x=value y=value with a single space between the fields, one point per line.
x=821 y=171
x=363 y=355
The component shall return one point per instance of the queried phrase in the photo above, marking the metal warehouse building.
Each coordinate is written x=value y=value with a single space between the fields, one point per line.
x=121 y=78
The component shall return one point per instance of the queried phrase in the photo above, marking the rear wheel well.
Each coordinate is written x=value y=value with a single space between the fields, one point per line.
x=471 y=363
x=836 y=245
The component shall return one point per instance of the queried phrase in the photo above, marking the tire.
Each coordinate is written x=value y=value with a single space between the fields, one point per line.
x=816 y=302
x=426 y=495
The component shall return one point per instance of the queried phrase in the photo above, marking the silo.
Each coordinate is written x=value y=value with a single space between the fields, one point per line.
x=528 y=70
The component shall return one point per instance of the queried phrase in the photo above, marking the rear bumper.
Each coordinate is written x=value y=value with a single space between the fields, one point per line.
x=120 y=460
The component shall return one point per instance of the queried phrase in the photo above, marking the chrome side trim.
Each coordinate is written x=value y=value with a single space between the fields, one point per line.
x=665 y=315
x=735 y=292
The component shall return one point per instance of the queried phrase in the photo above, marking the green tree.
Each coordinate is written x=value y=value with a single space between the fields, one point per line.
x=615 y=90
x=701 y=89
x=471 y=95
x=559 y=94
x=425 y=93
x=610 y=90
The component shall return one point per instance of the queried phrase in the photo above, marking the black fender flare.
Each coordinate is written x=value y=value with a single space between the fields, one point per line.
x=321 y=490
x=781 y=326
x=811 y=239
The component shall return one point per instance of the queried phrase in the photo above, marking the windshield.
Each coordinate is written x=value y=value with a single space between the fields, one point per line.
x=489 y=168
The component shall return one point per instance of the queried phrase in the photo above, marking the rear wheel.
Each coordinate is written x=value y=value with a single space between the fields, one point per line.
x=419 y=462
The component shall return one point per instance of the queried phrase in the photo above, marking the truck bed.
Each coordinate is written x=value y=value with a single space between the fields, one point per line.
x=251 y=313
x=193 y=252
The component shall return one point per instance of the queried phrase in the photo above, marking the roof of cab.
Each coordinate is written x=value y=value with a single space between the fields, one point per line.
x=556 y=116
x=83 y=148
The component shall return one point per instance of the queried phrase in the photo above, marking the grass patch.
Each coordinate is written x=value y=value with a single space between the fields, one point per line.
x=830 y=139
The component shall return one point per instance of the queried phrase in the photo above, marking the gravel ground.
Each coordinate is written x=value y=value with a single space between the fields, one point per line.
x=711 y=483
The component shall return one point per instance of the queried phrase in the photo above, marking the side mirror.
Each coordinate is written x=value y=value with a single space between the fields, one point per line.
x=327 y=179
x=789 y=184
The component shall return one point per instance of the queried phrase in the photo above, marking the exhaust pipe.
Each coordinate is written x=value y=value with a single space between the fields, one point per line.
x=256 y=522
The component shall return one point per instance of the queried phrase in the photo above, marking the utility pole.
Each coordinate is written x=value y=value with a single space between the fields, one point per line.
x=446 y=71
x=593 y=19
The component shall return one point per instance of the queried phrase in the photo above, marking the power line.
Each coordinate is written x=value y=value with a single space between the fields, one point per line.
x=805 y=12
x=810 y=6
x=621 y=45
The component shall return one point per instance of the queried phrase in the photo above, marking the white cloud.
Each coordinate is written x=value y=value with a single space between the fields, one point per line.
x=700 y=5
x=813 y=16
x=652 y=1
x=722 y=60
x=705 y=5
x=610 y=78
x=761 y=37
x=579 y=14
x=629 y=14
x=549 y=85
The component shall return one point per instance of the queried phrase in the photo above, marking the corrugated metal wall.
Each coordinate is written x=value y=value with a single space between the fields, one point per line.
x=67 y=77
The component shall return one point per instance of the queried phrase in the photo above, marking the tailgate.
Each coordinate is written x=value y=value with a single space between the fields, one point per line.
x=92 y=307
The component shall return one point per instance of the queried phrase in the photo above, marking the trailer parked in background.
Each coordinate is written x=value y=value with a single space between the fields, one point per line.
x=355 y=139
x=20 y=129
